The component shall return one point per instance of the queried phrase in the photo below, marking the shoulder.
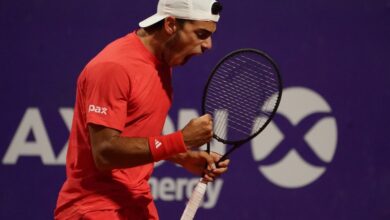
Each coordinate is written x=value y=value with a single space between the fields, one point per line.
x=126 y=51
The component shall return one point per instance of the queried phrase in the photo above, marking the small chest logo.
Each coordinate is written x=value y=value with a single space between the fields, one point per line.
x=97 y=109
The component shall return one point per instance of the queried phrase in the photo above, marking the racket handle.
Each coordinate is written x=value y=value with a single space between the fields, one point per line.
x=194 y=202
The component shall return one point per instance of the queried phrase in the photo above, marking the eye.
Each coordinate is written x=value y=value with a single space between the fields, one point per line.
x=203 y=35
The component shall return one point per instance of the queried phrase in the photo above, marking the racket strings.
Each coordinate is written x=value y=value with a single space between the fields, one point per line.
x=220 y=117
x=222 y=128
x=244 y=89
x=252 y=86
x=267 y=81
x=239 y=126
x=245 y=124
x=250 y=110
x=254 y=61
x=219 y=128
x=248 y=61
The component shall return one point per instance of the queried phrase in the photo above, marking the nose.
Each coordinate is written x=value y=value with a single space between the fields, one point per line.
x=207 y=44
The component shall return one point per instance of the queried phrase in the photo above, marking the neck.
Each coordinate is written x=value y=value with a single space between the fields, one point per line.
x=153 y=41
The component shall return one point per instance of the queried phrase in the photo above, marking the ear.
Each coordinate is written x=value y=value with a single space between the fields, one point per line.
x=170 y=25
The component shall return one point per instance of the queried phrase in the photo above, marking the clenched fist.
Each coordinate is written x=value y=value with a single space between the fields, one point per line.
x=198 y=131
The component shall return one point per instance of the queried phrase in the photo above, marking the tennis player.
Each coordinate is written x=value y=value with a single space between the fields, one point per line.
x=122 y=101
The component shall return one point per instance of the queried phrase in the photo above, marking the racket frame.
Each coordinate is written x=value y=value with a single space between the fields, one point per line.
x=280 y=90
x=197 y=195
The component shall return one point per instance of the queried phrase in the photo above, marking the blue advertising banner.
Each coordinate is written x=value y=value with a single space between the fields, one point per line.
x=324 y=156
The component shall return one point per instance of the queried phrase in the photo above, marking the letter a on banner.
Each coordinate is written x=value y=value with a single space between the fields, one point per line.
x=21 y=146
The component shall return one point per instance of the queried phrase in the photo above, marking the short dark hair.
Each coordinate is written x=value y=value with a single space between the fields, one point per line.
x=159 y=25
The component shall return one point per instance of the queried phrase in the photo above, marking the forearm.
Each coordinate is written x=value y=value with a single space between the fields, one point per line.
x=112 y=151
x=122 y=152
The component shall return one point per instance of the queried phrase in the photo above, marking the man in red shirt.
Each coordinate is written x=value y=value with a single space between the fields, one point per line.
x=123 y=97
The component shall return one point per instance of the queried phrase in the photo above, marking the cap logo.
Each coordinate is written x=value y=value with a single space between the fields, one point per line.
x=216 y=8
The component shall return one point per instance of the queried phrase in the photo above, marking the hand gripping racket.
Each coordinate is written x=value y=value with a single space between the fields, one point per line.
x=243 y=92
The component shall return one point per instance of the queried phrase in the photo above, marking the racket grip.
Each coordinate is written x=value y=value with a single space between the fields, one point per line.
x=194 y=202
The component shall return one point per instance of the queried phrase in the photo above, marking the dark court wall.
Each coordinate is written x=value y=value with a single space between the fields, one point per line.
x=334 y=58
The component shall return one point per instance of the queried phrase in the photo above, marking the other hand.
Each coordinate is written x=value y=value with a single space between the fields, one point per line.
x=195 y=162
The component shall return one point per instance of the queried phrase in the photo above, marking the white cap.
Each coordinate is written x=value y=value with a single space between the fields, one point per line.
x=198 y=10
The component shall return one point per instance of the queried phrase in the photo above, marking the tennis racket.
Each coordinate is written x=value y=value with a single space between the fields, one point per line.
x=244 y=91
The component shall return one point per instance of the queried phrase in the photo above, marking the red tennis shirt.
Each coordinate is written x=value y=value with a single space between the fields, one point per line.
x=125 y=88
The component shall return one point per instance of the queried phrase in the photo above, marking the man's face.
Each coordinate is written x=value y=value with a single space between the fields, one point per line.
x=193 y=38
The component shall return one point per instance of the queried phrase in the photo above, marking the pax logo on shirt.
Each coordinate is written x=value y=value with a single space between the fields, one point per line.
x=97 y=109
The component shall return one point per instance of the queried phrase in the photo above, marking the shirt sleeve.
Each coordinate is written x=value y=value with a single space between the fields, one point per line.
x=107 y=92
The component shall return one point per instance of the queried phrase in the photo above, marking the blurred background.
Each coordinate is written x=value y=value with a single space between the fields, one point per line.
x=329 y=141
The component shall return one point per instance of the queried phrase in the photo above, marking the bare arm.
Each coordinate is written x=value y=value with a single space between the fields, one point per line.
x=112 y=151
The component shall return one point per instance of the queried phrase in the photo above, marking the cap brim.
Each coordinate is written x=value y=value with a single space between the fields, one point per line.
x=152 y=20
